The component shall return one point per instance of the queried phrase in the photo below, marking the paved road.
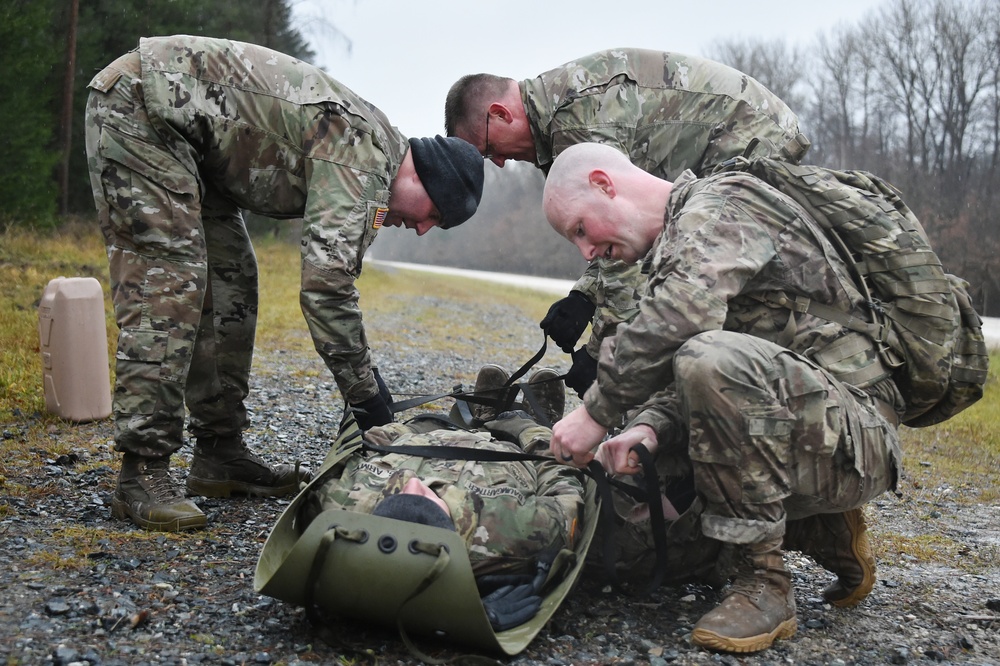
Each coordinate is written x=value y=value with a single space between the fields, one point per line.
x=991 y=325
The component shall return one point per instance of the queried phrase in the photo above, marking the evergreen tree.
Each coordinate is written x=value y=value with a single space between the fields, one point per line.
x=29 y=52
x=109 y=28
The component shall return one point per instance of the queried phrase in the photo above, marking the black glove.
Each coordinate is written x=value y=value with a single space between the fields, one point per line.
x=508 y=426
x=511 y=606
x=383 y=390
x=567 y=318
x=375 y=410
x=583 y=373
x=515 y=598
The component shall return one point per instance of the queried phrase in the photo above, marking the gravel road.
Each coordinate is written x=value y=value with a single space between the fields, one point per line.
x=77 y=587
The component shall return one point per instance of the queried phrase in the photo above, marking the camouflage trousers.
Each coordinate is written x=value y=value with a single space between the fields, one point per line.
x=183 y=278
x=772 y=436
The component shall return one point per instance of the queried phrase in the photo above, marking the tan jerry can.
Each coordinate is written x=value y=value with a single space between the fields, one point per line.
x=73 y=340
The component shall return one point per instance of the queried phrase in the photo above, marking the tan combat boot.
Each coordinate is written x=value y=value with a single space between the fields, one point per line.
x=489 y=381
x=148 y=496
x=223 y=466
x=839 y=543
x=550 y=395
x=758 y=609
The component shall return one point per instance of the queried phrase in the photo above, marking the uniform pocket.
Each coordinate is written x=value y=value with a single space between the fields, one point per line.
x=146 y=156
x=764 y=466
x=139 y=359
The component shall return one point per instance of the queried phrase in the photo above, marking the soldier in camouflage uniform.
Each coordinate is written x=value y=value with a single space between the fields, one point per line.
x=668 y=112
x=767 y=407
x=512 y=515
x=507 y=512
x=181 y=135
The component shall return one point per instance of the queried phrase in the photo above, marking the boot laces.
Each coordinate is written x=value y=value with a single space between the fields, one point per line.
x=751 y=585
x=158 y=483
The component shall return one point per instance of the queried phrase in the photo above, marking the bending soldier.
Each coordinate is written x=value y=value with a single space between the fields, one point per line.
x=666 y=111
x=182 y=134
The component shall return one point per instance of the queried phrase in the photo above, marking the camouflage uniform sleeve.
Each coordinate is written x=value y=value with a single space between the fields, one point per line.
x=338 y=228
x=561 y=495
x=547 y=519
x=662 y=414
x=592 y=119
x=559 y=485
x=528 y=508
x=618 y=289
x=587 y=284
x=709 y=250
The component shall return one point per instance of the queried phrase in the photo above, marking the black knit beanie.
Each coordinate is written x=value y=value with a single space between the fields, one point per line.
x=451 y=171
x=414 y=509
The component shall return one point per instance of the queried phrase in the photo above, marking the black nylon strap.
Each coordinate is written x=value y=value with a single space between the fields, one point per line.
x=530 y=362
x=602 y=481
x=492 y=455
x=458 y=453
x=508 y=397
x=501 y=400
x=657 y=522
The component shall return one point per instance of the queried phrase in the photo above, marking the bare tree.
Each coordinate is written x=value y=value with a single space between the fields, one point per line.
x=836 y=110
x=778 y=65
x=899 y=36
x=960 y=51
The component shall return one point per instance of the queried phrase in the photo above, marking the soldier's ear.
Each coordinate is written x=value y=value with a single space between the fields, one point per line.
x=500 y=112
x=601 y=180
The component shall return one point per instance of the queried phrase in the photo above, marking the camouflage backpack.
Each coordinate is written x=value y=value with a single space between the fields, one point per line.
x=922 y=319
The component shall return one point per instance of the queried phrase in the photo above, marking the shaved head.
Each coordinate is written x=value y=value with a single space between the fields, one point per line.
x=598 y=200
x=569 y=177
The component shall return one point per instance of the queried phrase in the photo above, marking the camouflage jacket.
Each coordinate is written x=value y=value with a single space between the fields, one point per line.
x=730 y=242
x=507 y=512
x=614 y=287
x=281 y=138
x=668 y=112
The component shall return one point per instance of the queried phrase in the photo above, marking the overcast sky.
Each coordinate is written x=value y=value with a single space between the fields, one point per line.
x=405 y=54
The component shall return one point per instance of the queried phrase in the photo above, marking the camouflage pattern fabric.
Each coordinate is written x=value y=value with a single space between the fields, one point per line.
x=770 y=433
x=616 y=293
x=507 y=512
x=181 y=136
x=668 y=112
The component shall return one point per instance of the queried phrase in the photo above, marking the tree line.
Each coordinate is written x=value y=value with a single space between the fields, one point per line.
x=912 y=92
x=52 y=48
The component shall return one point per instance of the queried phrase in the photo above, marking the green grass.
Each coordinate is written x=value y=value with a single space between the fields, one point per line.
x=962 y=455
x=958 y=460
x=28 y=260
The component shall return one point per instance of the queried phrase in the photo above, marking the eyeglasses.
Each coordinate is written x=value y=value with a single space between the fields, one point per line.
x=487 y=154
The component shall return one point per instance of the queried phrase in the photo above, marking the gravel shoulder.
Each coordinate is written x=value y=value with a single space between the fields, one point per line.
x=77 y=587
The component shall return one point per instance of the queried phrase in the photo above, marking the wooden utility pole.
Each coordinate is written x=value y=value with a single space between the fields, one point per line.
x=66 y=117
